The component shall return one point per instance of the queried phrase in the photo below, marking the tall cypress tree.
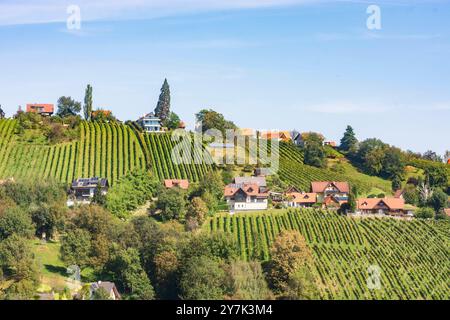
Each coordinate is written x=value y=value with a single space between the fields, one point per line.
x=2 y=113
x=162 y=109
x=88 y=103
x=348 y=141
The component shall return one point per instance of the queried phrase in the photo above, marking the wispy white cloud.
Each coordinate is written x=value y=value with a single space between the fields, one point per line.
x=13 y=12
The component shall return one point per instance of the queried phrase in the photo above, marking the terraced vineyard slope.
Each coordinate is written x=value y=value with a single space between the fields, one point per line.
x=412 y=256
x=103 y=150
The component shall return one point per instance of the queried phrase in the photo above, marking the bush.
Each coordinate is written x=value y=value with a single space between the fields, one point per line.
x=424 y=213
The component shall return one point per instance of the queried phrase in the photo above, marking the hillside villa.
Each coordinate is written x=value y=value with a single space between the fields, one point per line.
x=284 y=136
x=331 y=191
x=41 y=108
x=300 y=199
x=109 y=287
x=84 y=189
x=386 y=206
x=247 y=193
x=150 y=123
x=176 y=183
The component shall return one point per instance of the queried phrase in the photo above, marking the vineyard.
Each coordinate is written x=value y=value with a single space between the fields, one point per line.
x=103 y=150
x=412 y=256
x=295 y=173
x=158 y=149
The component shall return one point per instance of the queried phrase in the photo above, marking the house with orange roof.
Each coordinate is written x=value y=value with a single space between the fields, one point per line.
x=247 y=193
x=44 y=109
x=284 y=135
x=246 y=132
x=176 y=183
x=300 y=199
x=387 y=206
x=332 y=191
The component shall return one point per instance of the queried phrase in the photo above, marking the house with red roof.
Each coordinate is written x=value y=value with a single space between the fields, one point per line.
x=41 y=108
x=387 y=206
x=176 y=183
x=247 y=193
x=300 y=199
x=335 y=191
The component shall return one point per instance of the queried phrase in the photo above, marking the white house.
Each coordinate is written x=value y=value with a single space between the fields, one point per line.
x=247 y=193
x=150 y=123
x=244 y=197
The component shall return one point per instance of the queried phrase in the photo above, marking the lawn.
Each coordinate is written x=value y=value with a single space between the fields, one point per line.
x=53 y=271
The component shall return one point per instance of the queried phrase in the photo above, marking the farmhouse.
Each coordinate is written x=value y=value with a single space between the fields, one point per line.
x=300 y=199
x=150 y=123
x=176 y=183
x=391 y=206
x=332 y=191
x=41 y=108
x=284 y=136
x=84 y=189
x=247 y=193
x=109 y=287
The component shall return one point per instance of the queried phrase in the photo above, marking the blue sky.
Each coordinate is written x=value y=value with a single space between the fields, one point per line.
x=285 y=64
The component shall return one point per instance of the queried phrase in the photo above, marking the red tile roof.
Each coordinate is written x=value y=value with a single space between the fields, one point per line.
x=447 y=212
x=319 y=186
x=372 y=203
x=248 y=189
x=47 y=108
x=281 y=135
x=171 y=183
x=298 y=197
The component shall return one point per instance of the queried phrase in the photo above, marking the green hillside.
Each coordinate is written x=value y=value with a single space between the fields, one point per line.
x=412 y=255
x=295 y=173
x=104 y=150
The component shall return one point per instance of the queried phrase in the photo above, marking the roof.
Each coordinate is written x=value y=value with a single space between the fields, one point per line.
x=107 y=286
x=248 y=189
x=246 y=132
x=373 y=203
x=448 y=161
x=180 y=183
x=89 y=182
x=106 y=113
x=282 y=135
x=47 y=108
x=447 y=212
x=260 y=181
x=182 y=125
x=298 y=197
x=330 y=143
x=148 y=115
x=332 y=200
x=320 y=186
